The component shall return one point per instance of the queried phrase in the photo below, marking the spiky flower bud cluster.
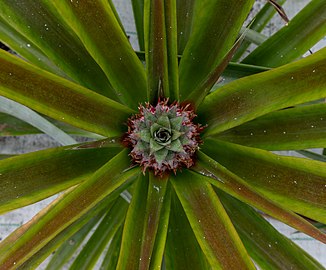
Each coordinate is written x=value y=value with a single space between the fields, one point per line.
x=163 y=138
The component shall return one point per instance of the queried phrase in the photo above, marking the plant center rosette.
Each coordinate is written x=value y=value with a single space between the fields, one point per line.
x=163 y=138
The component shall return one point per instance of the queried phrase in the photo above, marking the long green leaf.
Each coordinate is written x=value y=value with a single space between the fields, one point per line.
x=11 y=126
x=160 y=24
x=295 y=183
x=182 y=249
x=138 y=9
x=40 y=23
x=235 y=71
x=172 y=47
x=294 y=39
x=94 y=213
x=209 y=42
x=258 y=24
x=247 y=98
x=28 y=178
x=269 y=248
x=18 y=247
x=29 y=50
x=107 y=228
x=66 y=242
x=60 y=98
x=69 y=247
x=22 y=112
x=95 y=24
x=185 y=18
x=132 y=235
x=297 y=128
x=210 y=223
x=155 y=223
x=112 y=255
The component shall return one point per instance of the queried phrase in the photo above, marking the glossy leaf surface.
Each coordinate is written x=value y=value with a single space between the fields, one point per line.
x=95 y=24
x=182 y=249
x=294 y=39
x=70 y=246
x=28 y=178
x=185 y=18
x=132 y=235
x=210 y=223
x=209 y=43
x=258 y=24
x=106 y=229
x=295 y=183
x=269 y=248
x=247 y=98
x=26 y=114
x=40 y=23
x=67 y=209
x=66 y=240
x=224 y=179
x=297 y=128
x=31 y=52
x=59 y=98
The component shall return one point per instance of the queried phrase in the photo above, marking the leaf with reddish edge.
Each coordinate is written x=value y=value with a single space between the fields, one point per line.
x=94 y=22
x=32 y=54
x=269 y=248
x=28 y=178
x=60 y=98
x=156 y=222
x=133 y=228
x=209 y=42
x=224 y=179
x=39 y=24
x=196 y=97
x=68 y=247
x=297 y=128
x=293 y=40
x=250 y=97
x=57 y=243
x=182 y=250
x=18 y=247
x=185 y=18
x=258 y=24
x=157 y=36
x=210 y=223
x=102 y=235
x=112 y=254
x=294 y=183
x=172 y=48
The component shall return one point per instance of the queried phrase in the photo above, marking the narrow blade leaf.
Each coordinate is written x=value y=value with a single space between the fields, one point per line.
x=256 y=95
x=297 y=128
x=40 y=24
x=106 y=229
x=209 y=42
x=31 y=237
x=294 y=39
x=269 y=248
x=28 y=178
x=182 y=249
x=59 y=98
x=108 y=45
x=297 y=184
x=24 y=113
x=210 y=223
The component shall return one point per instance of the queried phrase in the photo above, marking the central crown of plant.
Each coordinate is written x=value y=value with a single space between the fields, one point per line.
x=163 y=138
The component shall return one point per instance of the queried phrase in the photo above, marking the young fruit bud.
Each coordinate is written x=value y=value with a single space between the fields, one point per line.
x=163 y=138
